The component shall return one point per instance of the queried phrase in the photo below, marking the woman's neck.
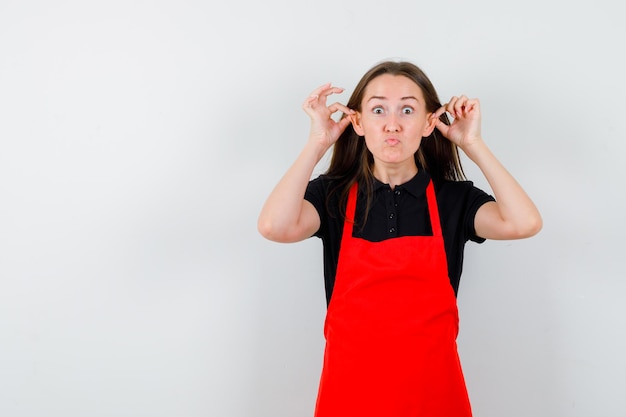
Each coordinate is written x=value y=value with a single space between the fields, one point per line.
x=394 y=174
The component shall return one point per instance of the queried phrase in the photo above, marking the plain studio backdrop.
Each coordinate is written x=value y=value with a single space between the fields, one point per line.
x=139 y=139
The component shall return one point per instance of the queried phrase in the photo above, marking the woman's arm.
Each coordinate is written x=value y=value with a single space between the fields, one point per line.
x=513 y=215
x=286 y=215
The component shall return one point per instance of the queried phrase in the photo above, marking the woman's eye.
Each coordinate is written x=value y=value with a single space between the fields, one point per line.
x=407 y=110
x=377 y=110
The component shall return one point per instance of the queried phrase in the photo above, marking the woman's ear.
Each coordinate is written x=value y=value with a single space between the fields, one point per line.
x=430 y=126
x=355 y=118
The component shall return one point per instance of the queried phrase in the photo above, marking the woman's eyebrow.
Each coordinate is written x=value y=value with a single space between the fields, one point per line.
x=385 y=98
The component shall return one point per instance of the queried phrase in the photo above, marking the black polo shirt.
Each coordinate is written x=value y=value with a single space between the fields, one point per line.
x=402 y=211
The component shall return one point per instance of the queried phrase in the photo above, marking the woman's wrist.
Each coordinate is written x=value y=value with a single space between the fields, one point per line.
x=476 y=150
x=317 y=146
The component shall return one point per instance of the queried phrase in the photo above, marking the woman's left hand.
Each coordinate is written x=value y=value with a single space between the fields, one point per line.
x=464 y=131
x=513 y=215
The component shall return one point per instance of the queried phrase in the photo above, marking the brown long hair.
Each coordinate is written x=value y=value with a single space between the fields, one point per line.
x=351 y=160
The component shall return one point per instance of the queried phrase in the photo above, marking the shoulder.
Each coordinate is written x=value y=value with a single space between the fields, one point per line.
x=319 y=188
x=455 y=191
x=460 y=198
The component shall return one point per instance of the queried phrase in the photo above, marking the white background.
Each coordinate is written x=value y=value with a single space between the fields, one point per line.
x=139 y=139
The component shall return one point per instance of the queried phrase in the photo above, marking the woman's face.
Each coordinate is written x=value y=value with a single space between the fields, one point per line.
x=393 y=119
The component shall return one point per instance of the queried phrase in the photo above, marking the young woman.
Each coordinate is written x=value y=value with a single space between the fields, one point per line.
x=394 y=212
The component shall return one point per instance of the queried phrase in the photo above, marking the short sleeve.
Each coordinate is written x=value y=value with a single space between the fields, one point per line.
x=316 y=194
x=475 y=199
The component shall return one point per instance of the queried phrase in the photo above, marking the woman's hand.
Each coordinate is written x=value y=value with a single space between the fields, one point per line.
x=513 y=215
x=286 y=215
x=324 y=129
x=464 y=131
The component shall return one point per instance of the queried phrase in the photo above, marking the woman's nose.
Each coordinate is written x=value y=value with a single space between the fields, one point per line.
x=392 y=124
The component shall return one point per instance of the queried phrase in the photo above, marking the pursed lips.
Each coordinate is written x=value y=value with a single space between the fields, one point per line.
x=392 y=141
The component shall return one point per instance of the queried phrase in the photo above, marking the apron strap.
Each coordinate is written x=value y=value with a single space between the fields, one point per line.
x=348 y=225
x=433 y=210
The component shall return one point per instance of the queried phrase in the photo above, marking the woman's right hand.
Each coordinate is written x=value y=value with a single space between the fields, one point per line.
x=324 y=129
x=286 y=215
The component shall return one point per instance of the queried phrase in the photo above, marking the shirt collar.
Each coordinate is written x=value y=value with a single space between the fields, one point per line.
x=415 y=186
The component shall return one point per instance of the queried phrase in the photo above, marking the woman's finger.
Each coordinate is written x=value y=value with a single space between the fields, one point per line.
x=326 y=90
x=332 y=90
x=472 y=104
x=315 y=95
x=310 y=101
x=335 y=107
x=457 y=107
x=439 y=112
x=320 y=89
x=319 y=95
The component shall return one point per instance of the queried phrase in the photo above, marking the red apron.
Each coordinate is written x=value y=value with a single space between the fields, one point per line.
x=391 y=329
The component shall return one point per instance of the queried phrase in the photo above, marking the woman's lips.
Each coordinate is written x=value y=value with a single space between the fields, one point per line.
x=392 y=141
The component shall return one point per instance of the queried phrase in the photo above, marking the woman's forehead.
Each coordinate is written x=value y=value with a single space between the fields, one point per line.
x=393 y=87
